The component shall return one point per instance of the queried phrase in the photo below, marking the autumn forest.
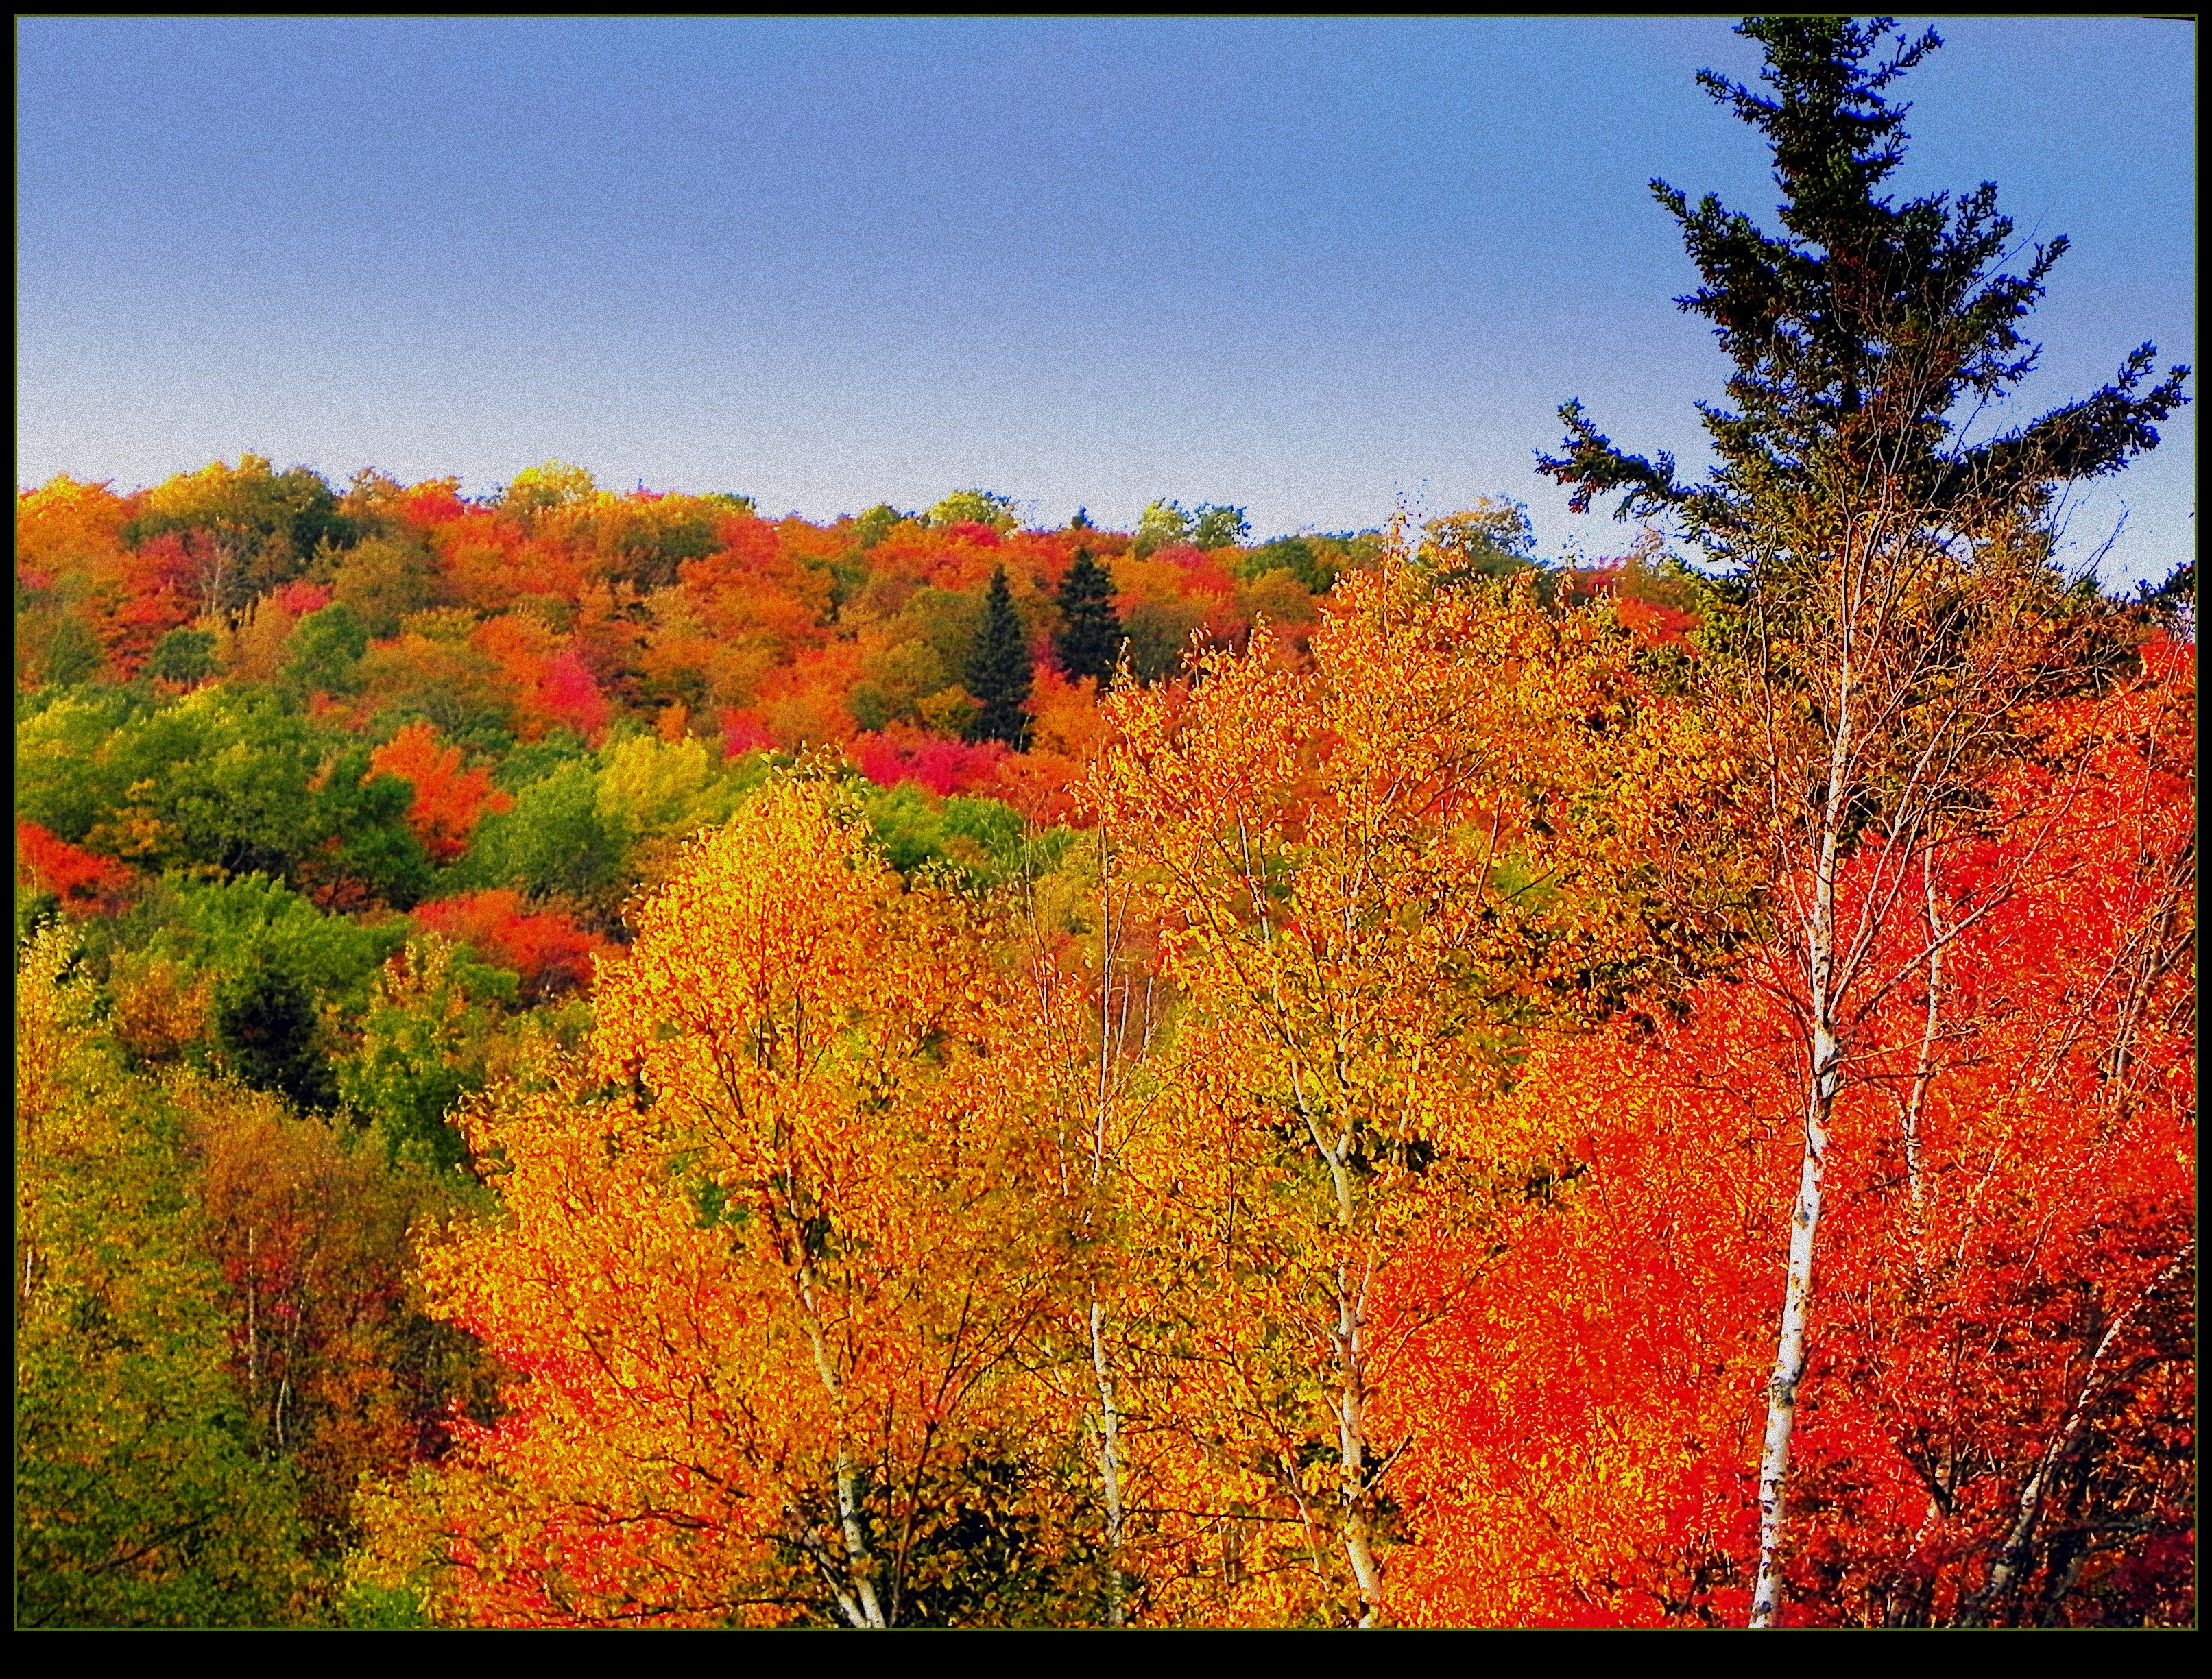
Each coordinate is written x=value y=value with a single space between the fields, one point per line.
x=593 y=1057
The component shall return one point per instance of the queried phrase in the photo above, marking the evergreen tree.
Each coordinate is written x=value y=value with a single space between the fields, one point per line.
x=1865 y=338
x=999 y=674
x=1090 y=640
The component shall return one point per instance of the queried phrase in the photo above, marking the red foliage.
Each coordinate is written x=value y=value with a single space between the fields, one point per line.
x=86 y=882
x=2002 y=1368
x=302 y=597
x=944 y=767
x=436 y=502
x=566 y=694
x=743 y=731
x=550 y=952
x=154 y=590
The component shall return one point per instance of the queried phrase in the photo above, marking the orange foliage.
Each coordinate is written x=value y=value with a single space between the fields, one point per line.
x=69 y=528
x=449 y=801
x=758 y=1301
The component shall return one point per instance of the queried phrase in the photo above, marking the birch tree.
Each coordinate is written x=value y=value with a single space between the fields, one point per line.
x=1888 y=552
x=1373 y=879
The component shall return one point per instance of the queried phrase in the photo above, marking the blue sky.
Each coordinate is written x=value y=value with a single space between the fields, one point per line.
x=1309 y=267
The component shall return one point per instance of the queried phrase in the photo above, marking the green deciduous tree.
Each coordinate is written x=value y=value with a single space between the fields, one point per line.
x=975 y=507
x=139 y=1502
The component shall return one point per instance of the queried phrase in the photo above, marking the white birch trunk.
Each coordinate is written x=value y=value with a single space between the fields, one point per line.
x=1824 y=1069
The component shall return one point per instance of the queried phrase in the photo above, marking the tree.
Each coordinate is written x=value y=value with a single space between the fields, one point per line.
x=1374 y=879
x=325 y=652
x=537 y=489
x=448 y=802
x=998 y=674
x=763 y=1265
x=247 y=530
x=1896 y=599
x=1161 y=524
x=974 y=506
x=1213 y=526
x=138 y=1500
x=1090 y=640
x=266 y=1025
x=183 y=657
x=1490 y=539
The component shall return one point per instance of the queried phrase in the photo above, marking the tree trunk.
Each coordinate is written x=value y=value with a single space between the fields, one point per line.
x=1824 y=1069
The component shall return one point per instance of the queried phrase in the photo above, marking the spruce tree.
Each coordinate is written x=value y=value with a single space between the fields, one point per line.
x=999 y=674
x=1090 y=640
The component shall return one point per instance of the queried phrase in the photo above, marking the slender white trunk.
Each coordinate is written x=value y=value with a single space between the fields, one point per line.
x=1824 y=1071
x=1351 y=1403
x=1110 y=1415
x=851 y=1519
x=1351 y=1441
x=1109 y=1462
x=1790 y=1346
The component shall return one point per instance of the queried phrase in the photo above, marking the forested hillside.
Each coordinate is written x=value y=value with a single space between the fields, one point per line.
x=594 y=1058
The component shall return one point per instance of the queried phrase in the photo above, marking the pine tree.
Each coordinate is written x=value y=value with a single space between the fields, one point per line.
x=1894 y=599
x=1090 y=640
x=999 y=674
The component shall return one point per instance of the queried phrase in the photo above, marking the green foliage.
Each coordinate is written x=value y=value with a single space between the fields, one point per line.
x=383 y=580
x=533 y=760
x=1165 y=523
x=184 y=656
x=1492 y=539
x=536 y=489
x=980 y=840
x=1214 y=526
x=139 y=1502
x=59 y=739
x=878 y=523
x=1161 y=524
x=1000 y=674
x=433 y=674
x=225 y=781
x=656 y=789
x=975 y=507
x=369 y=847
x=269 y=1035
x=896 y=679
x=1090 y=639
x=556 y=842
x=325 y=651
x=233 y=927
x=646 y=541
x=1314 y=559
x=1865 y=337
x=1159 y=634
x=421 y=1052
x=56 y=649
